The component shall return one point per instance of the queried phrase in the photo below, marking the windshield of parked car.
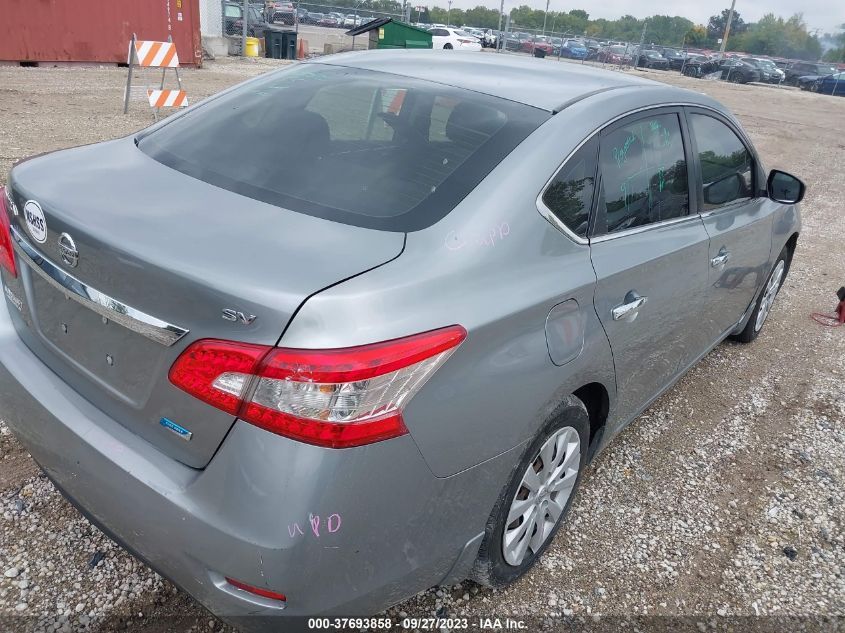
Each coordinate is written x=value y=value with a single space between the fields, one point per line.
x=356 y=146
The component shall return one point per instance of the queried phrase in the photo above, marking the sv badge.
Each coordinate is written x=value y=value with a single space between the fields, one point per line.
x=238 y=317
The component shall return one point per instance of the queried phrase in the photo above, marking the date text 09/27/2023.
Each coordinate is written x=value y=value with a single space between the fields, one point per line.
x=412 y=623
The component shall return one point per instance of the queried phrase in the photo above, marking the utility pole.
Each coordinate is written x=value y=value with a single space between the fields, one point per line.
x=545 y=15
x=244 y=27
x=448 y=11
x=499 y=31
x=640 y=47
x=727 y=29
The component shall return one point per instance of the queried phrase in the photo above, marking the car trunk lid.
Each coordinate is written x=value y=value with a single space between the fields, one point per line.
x=162 y=260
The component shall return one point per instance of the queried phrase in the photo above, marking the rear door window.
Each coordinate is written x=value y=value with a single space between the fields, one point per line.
x=372 y=149
x=644 y=174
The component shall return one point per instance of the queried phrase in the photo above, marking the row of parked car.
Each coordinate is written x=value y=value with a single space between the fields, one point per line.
x=287 y=13
x=815 y=76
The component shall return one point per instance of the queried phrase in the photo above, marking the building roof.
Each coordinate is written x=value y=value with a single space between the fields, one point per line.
x=545 y=84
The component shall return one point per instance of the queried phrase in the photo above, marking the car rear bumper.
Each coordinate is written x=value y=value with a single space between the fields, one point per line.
x=338 y=531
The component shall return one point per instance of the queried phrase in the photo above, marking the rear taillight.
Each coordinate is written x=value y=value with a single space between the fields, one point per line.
x=7 y=256
x=336 y=398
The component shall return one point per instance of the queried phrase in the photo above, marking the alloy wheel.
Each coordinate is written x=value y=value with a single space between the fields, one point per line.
x=769 y=294
x=542 y=495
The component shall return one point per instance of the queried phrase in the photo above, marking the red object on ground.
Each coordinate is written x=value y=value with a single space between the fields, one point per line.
x=831 y=320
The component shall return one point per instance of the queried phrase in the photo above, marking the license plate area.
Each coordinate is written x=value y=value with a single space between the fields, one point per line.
x=125 y=361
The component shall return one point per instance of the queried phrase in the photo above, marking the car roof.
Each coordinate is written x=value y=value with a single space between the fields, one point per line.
x=533 y=82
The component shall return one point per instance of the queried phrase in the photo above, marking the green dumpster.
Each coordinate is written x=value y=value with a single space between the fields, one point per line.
x=389 y=33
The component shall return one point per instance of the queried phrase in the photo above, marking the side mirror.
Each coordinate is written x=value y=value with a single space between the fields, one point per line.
x=724 y=190
x=784 y=188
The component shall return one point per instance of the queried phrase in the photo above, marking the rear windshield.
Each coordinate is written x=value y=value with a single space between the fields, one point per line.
x=372 y=149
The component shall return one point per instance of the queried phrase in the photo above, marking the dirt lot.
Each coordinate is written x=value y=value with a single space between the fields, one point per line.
x=724 y=500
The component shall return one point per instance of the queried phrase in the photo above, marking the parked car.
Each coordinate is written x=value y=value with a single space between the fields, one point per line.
x=313 y=17
x=233 y=20
x=675 y=58
x=514 y=41
x=700 y=66
x=769 y=73
x=738 y=71
x=369 y=417
x=538 y=43
x=330 y=21
x=652 y=59
x=803 y=69
x=592 y=46
x=615 y=55
x=488 y=38
x=573 y=49
x=454 y=39
x=284 y=13
x=830 y=84
x=772 y=67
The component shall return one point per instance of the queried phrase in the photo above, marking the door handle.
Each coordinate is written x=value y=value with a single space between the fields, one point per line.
x=628 y=311
x=721 y=258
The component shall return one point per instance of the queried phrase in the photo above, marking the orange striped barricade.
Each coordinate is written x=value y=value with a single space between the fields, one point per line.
x=152 y=54
x=167 y=98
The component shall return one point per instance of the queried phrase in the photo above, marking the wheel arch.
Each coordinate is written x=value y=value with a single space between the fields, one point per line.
x=596 y=398
x=791 y=245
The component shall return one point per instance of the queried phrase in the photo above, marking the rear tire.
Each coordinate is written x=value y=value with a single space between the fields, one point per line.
x=447 y=47
x=500 y=561
x=764 y=302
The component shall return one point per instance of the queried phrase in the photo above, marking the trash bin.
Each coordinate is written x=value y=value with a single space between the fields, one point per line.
x=280 y=44
x=539 y=52
x=273 y=43
x=289 y=45
x=252 y=47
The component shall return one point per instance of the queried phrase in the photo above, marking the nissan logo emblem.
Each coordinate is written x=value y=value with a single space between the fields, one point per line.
x=67 y=248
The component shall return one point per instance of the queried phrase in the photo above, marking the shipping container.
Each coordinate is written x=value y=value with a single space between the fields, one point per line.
x=87 y=31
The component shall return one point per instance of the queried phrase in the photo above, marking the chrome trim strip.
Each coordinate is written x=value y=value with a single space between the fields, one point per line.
x=555 y=221
x=104 y=305
x=605 y=237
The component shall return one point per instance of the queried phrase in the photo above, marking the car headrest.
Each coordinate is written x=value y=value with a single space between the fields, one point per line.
x=473 y=124
x=307 y=129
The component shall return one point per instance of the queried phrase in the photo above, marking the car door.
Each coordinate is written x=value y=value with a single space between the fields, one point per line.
x=649 y=251
x=733 y=208
x=439 y=38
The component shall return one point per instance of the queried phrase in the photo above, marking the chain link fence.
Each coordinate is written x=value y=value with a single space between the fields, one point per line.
x=688 y=60
x=322 y=26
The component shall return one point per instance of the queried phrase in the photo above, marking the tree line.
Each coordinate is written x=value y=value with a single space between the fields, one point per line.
x=771 y=35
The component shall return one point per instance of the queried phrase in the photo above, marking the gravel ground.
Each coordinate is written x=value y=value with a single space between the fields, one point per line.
x=724 y=500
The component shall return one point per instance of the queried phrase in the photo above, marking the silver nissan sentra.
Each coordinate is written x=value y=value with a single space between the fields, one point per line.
x=354 y=328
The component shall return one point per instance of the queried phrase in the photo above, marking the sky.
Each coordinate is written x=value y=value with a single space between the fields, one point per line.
x=818 y=14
